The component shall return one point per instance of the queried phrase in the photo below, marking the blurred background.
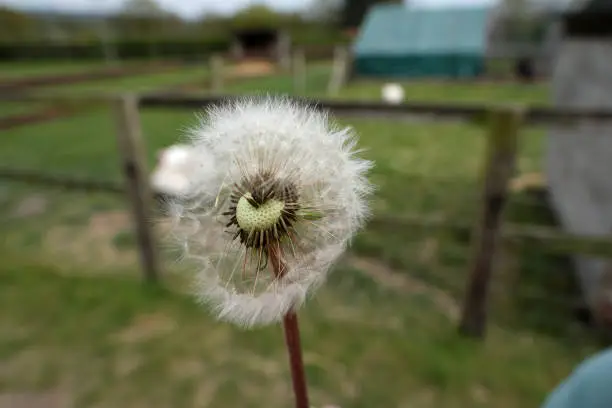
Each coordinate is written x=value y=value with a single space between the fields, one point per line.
x=79 y=329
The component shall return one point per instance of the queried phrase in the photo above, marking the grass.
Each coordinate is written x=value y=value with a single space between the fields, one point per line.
x=139 y=82
x=134 y=83
x=432 y=91
x=76 y=323
x=364 y=346
x=18 y=70
x=19 y=108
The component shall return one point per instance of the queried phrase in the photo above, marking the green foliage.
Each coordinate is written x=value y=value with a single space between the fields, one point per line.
x=261 y=16
x=15 y=25
x=354 y=11
x=326 y=12
x=144 y=29
x=142 y=8
x=323 y=36
x=519 y=22
x=256 y=16
x=126 y=49
x=524 y=28
x=317 y=42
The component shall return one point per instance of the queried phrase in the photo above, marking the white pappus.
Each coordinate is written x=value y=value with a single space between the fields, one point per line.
x=287 y=185
x=176 y=167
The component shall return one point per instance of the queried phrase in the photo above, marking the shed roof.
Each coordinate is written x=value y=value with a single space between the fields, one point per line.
x=396 y=29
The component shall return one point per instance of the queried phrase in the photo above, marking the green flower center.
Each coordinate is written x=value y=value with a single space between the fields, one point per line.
x=262 y=211
x=260 y=218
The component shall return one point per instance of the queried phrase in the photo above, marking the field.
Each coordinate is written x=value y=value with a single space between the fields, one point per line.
x=79 y=329
x=19 y=70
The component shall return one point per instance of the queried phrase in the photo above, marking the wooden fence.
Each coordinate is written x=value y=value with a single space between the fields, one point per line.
x=503 y=124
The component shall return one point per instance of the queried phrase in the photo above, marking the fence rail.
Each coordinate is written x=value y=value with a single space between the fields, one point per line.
x=503 y=123
x=59 y=180
x=458 y=111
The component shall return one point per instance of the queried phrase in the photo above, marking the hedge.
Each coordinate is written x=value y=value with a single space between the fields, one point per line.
x=124 y=49
x=321 y=43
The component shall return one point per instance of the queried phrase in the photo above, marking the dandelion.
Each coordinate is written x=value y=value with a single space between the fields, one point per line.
x=287 y=189
x=286 y=196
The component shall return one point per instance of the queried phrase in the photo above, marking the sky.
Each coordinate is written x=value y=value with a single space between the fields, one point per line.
x=192 y=8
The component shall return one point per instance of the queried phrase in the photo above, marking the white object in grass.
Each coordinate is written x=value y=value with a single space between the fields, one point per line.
x=393 y=93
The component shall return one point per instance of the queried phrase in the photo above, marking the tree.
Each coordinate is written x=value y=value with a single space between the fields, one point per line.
x=256 y=16
x=521 y=23
x=211 y=25
x=146 y=19
x=353 y=11
x=142 y=8
x=16 y=26
x=325 y=11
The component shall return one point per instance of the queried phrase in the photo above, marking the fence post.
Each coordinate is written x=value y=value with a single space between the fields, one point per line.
x=502 y=139
x=133 y=163
x=339 y=70
x=216 y=73
x=284 y=51
x=298 y=66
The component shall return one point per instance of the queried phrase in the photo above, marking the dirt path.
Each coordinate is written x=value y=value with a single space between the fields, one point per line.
x=237 y=72
x=402 y=282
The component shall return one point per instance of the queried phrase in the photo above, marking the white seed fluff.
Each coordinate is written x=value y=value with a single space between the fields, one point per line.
x=290 y=142
x=176 y=167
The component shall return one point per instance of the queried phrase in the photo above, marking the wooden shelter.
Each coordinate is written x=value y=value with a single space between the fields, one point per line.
x=259 y=43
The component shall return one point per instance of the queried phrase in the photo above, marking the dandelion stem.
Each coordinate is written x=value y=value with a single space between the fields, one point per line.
x=292 y=338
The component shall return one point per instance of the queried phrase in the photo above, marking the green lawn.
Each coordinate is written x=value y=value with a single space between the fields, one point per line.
x=138 y=82
x=109 y=342
x=18 y=70
x=133 y=83
x=436 y=91
x=19 y=108
x=76 y=323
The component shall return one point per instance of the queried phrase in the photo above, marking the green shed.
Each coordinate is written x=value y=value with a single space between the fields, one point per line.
x=405 y=41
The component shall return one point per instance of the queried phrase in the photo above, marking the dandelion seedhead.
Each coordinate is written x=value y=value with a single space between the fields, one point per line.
x=286 y=195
